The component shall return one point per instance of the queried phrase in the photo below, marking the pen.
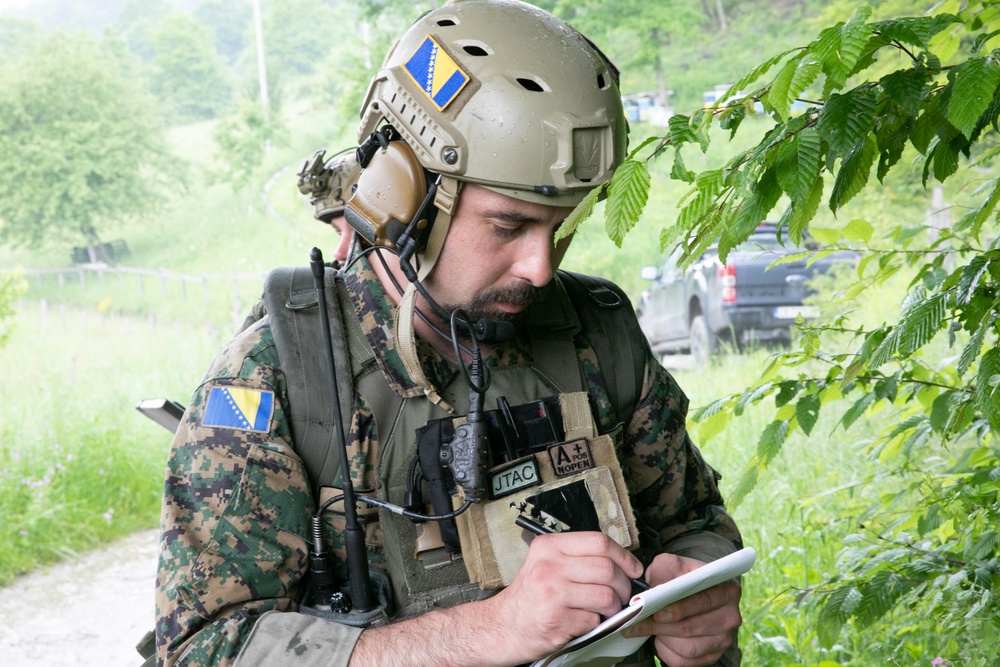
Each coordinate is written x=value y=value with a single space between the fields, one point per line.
x=638 y=585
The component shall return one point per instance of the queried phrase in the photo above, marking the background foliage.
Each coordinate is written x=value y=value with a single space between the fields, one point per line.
x=874 y=92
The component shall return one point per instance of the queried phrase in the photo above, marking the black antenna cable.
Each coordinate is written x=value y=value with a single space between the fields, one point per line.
x=354 y=535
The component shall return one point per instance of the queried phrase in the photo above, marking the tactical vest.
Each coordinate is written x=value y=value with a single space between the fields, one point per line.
x=572 y=304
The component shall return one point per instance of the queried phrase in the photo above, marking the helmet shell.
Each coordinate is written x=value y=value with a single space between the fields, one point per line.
x=505 y=95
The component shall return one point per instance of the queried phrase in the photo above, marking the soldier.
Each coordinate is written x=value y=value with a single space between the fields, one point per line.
x=489 y=122
x=330 y=186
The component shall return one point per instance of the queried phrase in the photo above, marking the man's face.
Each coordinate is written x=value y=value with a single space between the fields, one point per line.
x=344 y=243
x=498 y=253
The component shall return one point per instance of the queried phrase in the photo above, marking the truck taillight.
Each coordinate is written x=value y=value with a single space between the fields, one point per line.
x=727 y=283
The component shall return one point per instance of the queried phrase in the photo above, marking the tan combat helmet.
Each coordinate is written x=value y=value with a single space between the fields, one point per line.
x=505 y=95
x=329 y=183
x=493 y=92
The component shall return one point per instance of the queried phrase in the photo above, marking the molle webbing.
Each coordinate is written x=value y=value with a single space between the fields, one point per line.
x=293 y=306
x=596 y=306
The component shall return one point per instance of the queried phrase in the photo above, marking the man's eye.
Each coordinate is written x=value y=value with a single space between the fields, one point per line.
x=506 y=232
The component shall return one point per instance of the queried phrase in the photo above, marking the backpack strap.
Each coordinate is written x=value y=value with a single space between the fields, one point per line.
x=292 y=304
x=609 y=324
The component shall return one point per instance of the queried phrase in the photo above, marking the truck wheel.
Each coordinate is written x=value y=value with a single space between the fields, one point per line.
x=702 y=341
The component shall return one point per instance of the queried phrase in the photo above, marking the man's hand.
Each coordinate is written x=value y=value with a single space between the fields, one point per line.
x=697 y=630
x=566 y=584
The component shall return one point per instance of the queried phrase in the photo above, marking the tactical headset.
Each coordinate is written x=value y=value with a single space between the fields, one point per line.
x=392 y=204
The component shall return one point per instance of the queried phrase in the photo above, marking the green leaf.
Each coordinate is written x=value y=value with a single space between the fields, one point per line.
x=825 y=235
x=977 y=44
x=969 y=280
x=797 y=75
x=838 y=50
x=971 y=351
x=858 y=230
x=915 y=31
x=854 y=172
x=754 y=74
x=807 y=412
x=713 y=426
x=627 y=195
x=680 y=132
x=985 y=209
x=771 y=440
x=679 y=172
x=797 y=164
x=852 y=414
x=802 y=215
x=577 y=216
x=839 y=606
x=754 y=208
x=752 y=396
x=907 y=88
x=987 y=394
x=921 y=323
x=973 y=85
x=846 y=119
x=647 y=141
x=708 y=186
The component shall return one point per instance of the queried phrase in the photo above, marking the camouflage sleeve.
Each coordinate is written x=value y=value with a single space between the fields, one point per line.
x=236 y=509
x=675 y=492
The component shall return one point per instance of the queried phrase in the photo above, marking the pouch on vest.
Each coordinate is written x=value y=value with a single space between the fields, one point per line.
x=576 y=484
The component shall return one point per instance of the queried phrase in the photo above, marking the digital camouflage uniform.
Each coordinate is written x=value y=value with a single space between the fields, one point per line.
x=238 y=501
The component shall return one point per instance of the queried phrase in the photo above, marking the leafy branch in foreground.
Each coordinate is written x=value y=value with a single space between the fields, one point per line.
x=848 y=106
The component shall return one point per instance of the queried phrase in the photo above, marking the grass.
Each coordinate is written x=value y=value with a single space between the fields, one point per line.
x=78 y=465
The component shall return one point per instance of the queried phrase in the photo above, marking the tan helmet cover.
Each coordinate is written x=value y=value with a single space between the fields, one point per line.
x=505 y=95
x=341 y=174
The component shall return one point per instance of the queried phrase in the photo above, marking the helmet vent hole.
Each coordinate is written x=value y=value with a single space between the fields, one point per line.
x=601 y=82
x=445 y=23
x=475 y=50
x=530 y=84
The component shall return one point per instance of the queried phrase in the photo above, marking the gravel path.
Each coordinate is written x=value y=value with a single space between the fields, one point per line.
x=85 y=612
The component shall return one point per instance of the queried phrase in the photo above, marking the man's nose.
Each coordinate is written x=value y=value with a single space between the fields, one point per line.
x=535 y=261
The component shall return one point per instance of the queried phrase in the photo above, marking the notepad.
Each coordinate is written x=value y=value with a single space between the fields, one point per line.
x=605 y=643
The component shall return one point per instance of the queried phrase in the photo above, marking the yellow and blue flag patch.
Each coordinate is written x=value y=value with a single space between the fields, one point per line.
x=243 y=409
x=436 y=73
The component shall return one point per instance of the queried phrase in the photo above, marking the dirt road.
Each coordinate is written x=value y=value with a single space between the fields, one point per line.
x=85 y=612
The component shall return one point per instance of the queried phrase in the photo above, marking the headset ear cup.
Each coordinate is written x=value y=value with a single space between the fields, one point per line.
x=388 y=194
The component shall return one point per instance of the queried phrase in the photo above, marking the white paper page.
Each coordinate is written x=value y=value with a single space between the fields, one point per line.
x=605 y=641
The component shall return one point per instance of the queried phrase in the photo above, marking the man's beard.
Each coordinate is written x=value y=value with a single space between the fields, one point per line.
x=483 y=305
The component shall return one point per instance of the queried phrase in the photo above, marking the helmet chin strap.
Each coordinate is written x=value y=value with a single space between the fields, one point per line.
x=406 y=338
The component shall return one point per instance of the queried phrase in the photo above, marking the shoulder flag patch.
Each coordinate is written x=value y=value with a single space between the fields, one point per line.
x=436 y=73
x=243 y=409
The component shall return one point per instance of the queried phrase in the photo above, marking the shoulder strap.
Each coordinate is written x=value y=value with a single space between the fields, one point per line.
x=610 y=326
x=293 y=307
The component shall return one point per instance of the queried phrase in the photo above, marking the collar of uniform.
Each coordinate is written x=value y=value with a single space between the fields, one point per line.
x=376 y=313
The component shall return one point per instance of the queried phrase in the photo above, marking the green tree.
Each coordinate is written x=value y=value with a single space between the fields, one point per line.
x=80 y=146
x=187 y=72
x=298 y=34
x=138 y=21
x=242 y=138
x=231 y=21
x=853 y=108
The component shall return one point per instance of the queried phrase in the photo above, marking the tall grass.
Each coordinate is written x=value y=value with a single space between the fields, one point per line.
x=78 y=465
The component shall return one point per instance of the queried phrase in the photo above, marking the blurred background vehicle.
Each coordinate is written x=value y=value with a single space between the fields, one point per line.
x=692 y=310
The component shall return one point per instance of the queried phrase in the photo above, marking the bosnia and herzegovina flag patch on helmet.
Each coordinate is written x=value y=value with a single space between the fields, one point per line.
x=436 y=73
x=237 y=408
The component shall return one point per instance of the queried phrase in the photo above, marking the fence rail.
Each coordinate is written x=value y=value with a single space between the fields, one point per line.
x=97 y=276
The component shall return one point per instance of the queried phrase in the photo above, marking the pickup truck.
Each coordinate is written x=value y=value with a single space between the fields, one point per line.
x=741 y=301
